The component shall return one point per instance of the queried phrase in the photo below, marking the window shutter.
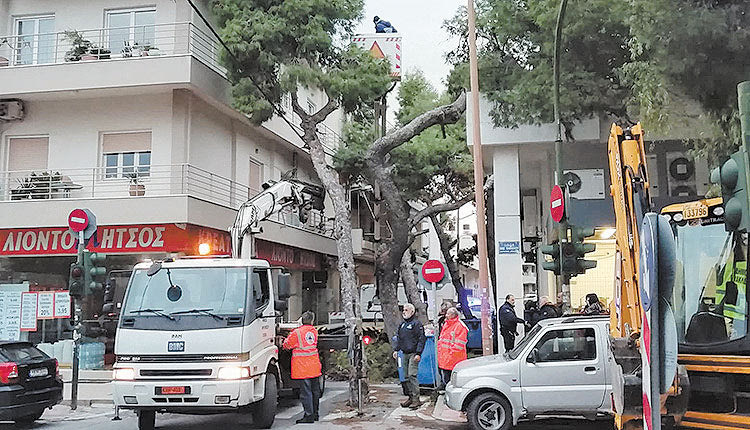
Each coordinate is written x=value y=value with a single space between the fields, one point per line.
x=28 y=153
x=126 y=142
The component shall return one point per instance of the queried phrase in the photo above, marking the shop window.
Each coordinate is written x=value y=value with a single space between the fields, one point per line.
x=126 y=154
x=129 y=28
x=35 y=40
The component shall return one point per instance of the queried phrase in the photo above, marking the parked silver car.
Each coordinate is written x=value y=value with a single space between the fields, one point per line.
x=559 y=368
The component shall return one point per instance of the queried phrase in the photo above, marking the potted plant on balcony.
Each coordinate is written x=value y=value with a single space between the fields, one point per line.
x=136 y=189
x=79 y=47
x=150 y=51
x=99 y=53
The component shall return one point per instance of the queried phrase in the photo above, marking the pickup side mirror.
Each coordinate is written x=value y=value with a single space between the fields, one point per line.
x=533 y=357
x=282 y=284
x=280 y=305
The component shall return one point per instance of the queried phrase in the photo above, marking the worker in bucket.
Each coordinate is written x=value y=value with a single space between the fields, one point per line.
x=383 y=26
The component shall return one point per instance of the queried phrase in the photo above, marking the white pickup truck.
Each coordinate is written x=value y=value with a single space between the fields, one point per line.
x=559 y=368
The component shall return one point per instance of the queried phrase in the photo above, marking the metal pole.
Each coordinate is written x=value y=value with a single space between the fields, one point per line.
x=563 y=283
x=436 y=334
x=479 y=184
x=76 y=333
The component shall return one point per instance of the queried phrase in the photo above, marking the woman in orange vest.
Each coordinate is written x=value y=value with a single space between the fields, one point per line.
x=303 y=341
x=451 y=348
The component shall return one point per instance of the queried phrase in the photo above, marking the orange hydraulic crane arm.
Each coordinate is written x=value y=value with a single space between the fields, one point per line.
x=629 y=190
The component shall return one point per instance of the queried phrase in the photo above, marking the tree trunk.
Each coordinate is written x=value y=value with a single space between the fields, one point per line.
x=445 y=247
x=411 y=288
x=343 y=235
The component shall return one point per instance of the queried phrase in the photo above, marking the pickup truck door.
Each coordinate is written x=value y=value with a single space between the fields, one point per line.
x=564 y=371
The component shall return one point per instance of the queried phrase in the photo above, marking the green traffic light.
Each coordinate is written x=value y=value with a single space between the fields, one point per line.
x=731 y=176
x=94 y=271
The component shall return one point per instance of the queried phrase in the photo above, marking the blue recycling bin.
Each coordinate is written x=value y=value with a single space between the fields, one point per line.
x=427 y=372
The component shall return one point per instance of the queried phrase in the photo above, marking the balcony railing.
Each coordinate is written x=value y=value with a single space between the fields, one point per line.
x=140 y=182
x=109 y=44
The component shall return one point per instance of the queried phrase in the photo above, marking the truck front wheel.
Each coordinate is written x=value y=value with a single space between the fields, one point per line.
x=146 y=420
x=264 y=411
x=489 y=411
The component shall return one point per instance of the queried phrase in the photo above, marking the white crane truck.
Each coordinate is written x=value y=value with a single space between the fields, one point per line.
x=197 y=335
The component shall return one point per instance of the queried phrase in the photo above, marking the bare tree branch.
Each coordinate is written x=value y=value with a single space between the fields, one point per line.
x=447 y=114
x=436 y=209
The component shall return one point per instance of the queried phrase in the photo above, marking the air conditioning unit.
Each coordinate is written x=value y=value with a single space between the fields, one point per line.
x=11 y=110
x=585 y=184
x=686 y=176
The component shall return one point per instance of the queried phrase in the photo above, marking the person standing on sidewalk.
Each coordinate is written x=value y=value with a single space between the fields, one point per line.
x=303 y=341
x=508 y=322
x=410 y=340
x=451 y=347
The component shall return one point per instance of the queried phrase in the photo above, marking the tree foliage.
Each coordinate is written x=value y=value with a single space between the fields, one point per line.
x=280 y=45
x=670 y=63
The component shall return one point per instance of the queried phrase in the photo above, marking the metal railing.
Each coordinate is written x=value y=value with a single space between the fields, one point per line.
x=108 y=44
x=143 y=181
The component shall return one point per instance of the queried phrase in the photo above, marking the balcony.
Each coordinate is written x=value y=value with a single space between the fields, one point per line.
x=150 y=193
x=115 y=57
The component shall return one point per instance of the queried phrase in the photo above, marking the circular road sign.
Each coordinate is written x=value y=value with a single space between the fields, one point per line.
x=433 y=271
x=78 y=220
x=557 y=203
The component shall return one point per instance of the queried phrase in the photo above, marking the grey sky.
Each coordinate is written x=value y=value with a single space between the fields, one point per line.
x=420 y=24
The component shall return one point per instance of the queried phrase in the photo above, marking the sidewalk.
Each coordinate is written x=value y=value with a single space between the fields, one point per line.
x=92 y=376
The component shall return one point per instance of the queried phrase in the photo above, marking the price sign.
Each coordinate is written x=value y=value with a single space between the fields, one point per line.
x=28 y=311
x=62 y=304
x=45 y=309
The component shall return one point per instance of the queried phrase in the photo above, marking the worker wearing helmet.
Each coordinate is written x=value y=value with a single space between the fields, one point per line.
x=383 y=26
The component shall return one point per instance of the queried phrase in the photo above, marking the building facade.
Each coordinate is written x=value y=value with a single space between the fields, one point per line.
x=123 y=107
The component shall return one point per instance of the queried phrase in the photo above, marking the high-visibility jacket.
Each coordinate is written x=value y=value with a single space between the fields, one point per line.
x=736 y=272
x=451 y=348
x=303 y=341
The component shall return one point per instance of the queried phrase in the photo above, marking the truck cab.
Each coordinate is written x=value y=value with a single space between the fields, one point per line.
x=560 y=367
x=198 y=336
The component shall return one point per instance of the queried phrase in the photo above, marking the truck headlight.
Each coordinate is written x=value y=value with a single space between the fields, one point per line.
x=234 y=372
x=123 y=374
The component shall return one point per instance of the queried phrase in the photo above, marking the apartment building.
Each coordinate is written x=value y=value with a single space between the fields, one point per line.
x=123 y=107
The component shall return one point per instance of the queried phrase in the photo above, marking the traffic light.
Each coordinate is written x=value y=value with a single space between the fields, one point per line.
x=575 y=253
x=553 y=250
x=733 y=182
x=75 y=282
x=94 y=271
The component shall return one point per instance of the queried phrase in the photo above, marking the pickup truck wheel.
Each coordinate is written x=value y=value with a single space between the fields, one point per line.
x=264 y=411
x=29 y=419
x=489 y=411
x=146 y=420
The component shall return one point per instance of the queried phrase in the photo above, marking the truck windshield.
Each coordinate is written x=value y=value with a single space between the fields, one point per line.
x=710 y=302
x=194 y=291
x=515 y=352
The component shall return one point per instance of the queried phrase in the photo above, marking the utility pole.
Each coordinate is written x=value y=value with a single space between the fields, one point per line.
x=563 y=280
x=76 y=330
x=479 y=184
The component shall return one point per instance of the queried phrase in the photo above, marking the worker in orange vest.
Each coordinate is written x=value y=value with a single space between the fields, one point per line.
x=451 y=347
x=303 y=341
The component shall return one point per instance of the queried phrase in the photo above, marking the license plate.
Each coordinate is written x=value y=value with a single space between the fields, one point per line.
x=695 y=212
x=176 y=346
x=40 y=371
x=173 y=390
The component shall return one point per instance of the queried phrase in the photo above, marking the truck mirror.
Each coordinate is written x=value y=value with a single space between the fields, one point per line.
x=154 y=268
x=533 y=358
x=282 y=283
x=280 y=305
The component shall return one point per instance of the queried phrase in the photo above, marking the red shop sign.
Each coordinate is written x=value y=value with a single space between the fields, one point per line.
x=124 y=239
x=287 y=256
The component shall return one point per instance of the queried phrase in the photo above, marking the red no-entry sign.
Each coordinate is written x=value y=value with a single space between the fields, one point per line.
x=433 y=271
x=78 y=220
x=557 y=203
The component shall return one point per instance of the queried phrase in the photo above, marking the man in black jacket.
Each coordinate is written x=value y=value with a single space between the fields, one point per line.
x=410 y=340
x=508 y=322
x=546 y=310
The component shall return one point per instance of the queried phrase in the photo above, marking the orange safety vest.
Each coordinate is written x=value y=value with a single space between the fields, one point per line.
x=303 y=341
x=451 y=348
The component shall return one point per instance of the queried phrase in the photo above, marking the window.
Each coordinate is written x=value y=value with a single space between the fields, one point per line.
x=311 y=107
x=567 y=345
x=127 y=28
x=35 y=41
x=28 y=153
x=261 y=292
x=256 y=178
x=467 y=227
x=125 y=154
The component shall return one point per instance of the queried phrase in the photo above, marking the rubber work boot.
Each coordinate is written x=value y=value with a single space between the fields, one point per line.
x=307 y=419
x=406 y=403
x=415 y=404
